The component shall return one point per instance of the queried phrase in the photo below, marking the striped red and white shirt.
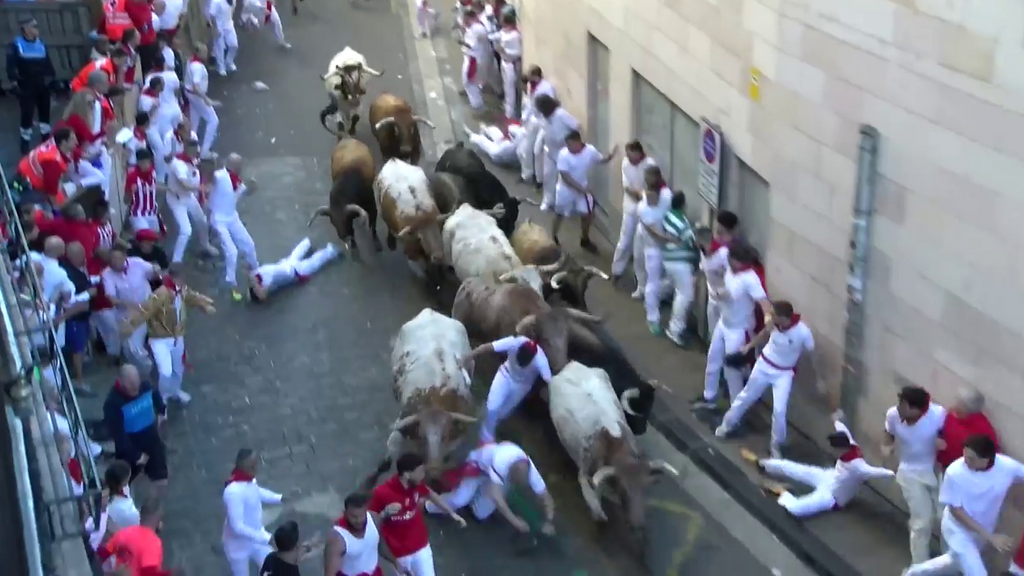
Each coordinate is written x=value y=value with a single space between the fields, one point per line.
x=140 y=187
x=105 y=231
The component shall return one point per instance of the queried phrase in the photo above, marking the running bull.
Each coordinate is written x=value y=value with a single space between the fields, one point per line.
x=351 y=198
x=484 y=189
x=346 y=85
x=431 y=386
x=588 y=418
x=396 y=128
x=491 y=311
x=410 y=213
x=565 y=277
x=476 y=248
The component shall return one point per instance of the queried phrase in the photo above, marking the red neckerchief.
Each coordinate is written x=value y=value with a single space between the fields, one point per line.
x=149 y=92
x=259 y=278
x=239 y=476
x=236 y=180
x=852 y=454
x=531 y=85
x=511 y=28
x=140 y=133
x=197 y=59
x=270 y=6
x=794 y=320
x=188 y=159
x=75 y=471
x=171 y=285
x=715 y=245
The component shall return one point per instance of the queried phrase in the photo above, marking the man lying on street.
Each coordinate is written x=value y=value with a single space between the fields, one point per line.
x=134 y=412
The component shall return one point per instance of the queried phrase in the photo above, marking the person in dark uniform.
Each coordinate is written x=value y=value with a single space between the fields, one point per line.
x=145 y=246
x=30 y=70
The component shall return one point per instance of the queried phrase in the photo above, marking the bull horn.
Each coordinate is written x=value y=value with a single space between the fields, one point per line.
x=497 y=212
x=626 y=398
x=462 y=417
x=404 y=232
x=403 y=422
x=661 y=465
x=372 y=72
x=358 y=211
x=583 y=316
x=549 y=268
x=424 y=121
x=321 y=211
x=556 y=280
x=384 y=122
x=526 y=323
x=597 y=272
x=601 y=475
x=529 y=201
x=506 y=277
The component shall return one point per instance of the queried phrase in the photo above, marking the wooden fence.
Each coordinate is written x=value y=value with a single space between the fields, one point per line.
x=63 y=26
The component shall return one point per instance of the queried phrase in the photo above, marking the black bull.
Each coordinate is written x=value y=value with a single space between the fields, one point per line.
x=483 y=189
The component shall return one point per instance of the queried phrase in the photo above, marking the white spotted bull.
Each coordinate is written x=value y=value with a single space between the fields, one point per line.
x=410 y=213
x=431 y=386
x=592 y=427
x=345 y=83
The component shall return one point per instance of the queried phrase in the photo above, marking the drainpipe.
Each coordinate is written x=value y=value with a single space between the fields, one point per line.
x=860 y=248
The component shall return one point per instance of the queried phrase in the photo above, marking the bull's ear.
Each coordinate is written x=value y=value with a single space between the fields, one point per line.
x=582 y=336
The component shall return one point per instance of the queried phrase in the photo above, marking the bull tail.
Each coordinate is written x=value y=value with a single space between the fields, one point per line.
x=331 y=108
x=321 y=211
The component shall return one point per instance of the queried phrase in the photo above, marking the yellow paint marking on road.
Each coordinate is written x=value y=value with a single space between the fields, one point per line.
x=688 y=542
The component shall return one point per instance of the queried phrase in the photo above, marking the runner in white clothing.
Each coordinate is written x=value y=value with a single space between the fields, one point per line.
x=531 y=148
x=354 y=547
x=524 y=363
x=183 y=189
x=788 y=339
x=633 y=186
x=256 y=13
x=201 y=107
x=244 y=537
x=169 y=112
x=225 y=190
x=225 y=47
x=556 y=124
x=714 y=262
x=572 y=192
x=296 y=267
x=500 y=147
x=833 y=487
x=490 y=471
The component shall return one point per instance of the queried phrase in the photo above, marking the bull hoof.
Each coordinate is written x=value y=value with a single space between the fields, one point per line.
x=377 y=245
x=392 y=242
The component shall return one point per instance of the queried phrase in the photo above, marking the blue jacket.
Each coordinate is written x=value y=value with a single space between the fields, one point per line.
x=29 y=63
x=131 y=420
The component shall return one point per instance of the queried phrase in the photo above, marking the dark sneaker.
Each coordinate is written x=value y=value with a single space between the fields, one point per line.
x=589 y=246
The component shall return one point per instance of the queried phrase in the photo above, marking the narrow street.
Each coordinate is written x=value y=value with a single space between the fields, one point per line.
x=306 y=378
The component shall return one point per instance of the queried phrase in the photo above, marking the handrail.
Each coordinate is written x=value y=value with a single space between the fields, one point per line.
x=50 y=510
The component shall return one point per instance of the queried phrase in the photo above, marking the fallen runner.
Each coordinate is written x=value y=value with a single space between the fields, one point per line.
x=295 y=268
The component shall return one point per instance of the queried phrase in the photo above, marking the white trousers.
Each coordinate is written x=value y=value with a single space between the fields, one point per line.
x=419 y=563
x=963 y=557
x=509 y=80
x=724 y=341
x=502 y=399
x=145 y=223
x=714 y=314
x=652 y=285
x=628 y=246
x=225 y=48
x=761 y=378
x=316 y=261
x=134 y=346
x=501 y=151
x=473 y=85
x=470 y=492
x=818 y=501
x=88 y=175
x=234 y=237
x=680 y=278
x=256 y=21
x=550 y=177
x=200 y=111
x=921 y=492
x=105 y=323
x=239 y=559
x=185 y=210
x=426 y=18
x=531 y=151
x=169 y=357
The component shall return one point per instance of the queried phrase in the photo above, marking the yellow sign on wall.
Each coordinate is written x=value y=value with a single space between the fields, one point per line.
x=754 y=87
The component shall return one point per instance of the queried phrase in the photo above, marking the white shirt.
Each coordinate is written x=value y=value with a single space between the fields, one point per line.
x=542 y=87
x=916 y=441
x=184 y=179
x=784 y=347
x=633 y=178
x=169 y=58
x=979 y=493
x=169 y=95
x=121 y=510
x=715 y=266
x=556 y=128
x=361 y=554
x=522 y=375
x=222 y=15
x=243 y=522
x=131 y=285
x=223 y=199
x=55 y=281
x=479 y=45
x=743 y=292
x=197 y=77
x=511 y=43
x=654 y=215
x=496 y=461
x=852 y=470
x=169 y=19
x=577 y=165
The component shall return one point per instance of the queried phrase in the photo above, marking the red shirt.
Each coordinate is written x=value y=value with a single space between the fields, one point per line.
x=83 y=232
x=138 y=548
x=140 y=188
x=141 y=14
x=405 y=533
x=956 y=429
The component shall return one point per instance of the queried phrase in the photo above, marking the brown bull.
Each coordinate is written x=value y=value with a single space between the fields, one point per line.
x=491 y=311
x=396 y=128
x=534 y=245
x=351 y=196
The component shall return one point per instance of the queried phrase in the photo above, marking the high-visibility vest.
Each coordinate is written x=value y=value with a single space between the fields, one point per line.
x=116 y=19
x=82 y=78
x=31 y=166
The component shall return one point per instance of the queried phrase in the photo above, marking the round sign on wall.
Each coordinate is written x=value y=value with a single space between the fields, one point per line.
x=710 y=147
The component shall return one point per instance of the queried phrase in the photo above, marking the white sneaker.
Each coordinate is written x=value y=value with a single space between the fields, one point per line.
x=721 y=431
x=184 y=397
x=637 y=294
x=286 y=46
x=544 y=207
x=222 y=72
x=232 y=68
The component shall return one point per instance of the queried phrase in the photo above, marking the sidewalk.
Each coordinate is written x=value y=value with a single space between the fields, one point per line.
x=869 y=536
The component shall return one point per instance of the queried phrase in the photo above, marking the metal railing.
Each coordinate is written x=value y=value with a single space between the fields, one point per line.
x=38 y=390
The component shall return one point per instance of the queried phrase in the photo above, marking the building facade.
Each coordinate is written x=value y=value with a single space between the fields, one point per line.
x=789 y=84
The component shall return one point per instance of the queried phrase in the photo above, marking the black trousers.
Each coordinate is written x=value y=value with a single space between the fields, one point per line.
x=32 y=101
x=147 y=53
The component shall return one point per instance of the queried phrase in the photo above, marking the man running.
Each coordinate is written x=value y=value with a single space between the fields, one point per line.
x=295 y=268
x=398 y=502
x=354 y=547
x=514 y=380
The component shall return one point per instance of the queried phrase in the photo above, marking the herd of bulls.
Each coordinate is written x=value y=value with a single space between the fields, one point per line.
x=460 y=222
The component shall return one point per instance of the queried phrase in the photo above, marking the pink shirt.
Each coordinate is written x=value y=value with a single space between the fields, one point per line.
x=132 y=285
